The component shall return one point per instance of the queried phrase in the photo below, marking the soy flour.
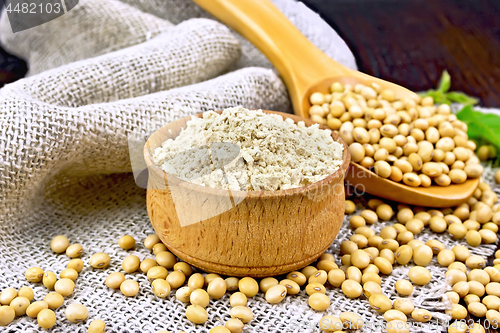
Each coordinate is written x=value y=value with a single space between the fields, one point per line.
x=249 y=151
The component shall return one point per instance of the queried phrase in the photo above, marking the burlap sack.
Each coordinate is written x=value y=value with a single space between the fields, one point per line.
x=99 y=73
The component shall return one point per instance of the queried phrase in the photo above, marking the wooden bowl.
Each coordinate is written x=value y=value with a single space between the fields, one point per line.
x=254 y=233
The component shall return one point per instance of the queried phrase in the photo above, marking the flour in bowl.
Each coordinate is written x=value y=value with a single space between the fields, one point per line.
x=249 y=150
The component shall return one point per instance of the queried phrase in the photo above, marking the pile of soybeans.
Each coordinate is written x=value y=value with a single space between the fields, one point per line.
x=411 y=141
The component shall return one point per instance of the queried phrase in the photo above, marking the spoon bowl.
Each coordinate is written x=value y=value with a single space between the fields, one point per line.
x=306 y=69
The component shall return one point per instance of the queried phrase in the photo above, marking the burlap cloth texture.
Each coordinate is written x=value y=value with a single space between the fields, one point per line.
x=98 y=73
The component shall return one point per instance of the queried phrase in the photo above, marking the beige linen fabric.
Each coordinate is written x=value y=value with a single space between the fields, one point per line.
x=99 y=73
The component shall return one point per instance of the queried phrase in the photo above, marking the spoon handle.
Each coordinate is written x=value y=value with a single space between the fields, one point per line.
x=299 y=62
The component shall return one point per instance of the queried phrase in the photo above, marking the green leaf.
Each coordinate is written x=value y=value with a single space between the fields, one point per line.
x=459 y=97
x=436 y=95
x=444 y=82
x=442 y=96
x=481 y=126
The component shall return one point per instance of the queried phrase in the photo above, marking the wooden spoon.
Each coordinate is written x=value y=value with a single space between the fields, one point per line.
x=306 y=69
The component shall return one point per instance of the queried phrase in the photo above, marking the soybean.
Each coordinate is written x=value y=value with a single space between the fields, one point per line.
x=383 y=265
x=452 y=297
x=352 y=289
x=74 y=251
x=336 y=277
x=493 y=288
x=421 y=315
x=371 y=288
x=64 y=287
x=199 y=297
x=446 y=257
x=457 y=230
x=248 y=286
x=242 y=313
x=404 y=305
x=20 y=304
x=351 y=320
x=197 y=314
x=328 y=265
x=471 y=298
x=175 y=279
x=49 y=280
x=34 y=274
x=184 y=268
x=435 y=245
x=350 y=207
x=315 y=288
x=166 y=259
x=292 y=287
x=156 y=272
x=475 y=262
x=69 y=273
x=360 y=259
x=454 y=276
x=461 y=288
x=391 y=315
x=126 y=242
x=196 y=281
x=76 y=313
x=457 y=311
x=129 y=288
x=320 y=276
x=53 y=300
x=476 y=288
x=492 y=302
x=183 y=294
x=317 y=301
x=159 y=247
x=7 y=315
x=217 y=288
x=310 y=270
x=234 y=325
x=151 y=241
x=473 y=238
x=461 y=252
x=479 y=275
x=404 y=254
x=354 y=273
x=380 y=303
x=59 y=244
x=161 y=288
x=419 y=275
x=114 y=280
x=357 y=221
x=422 y=255
x=231 y=283
x=46 y=318
x=404 y=287
x=35 y=308
x=76 y=264
x=97 y=326
x=238 y=299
